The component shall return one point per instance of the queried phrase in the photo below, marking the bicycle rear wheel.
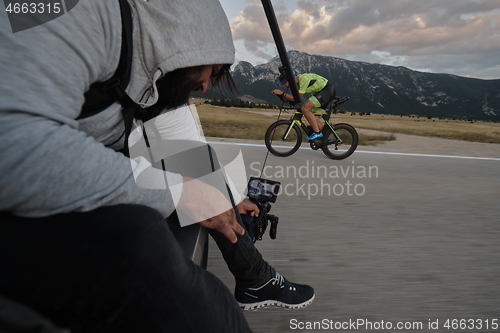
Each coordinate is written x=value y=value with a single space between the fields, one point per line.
x=281 y=139
x=341 y=143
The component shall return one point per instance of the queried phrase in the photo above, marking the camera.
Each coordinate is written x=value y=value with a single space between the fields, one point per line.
x=262 y=192
x=260 y=189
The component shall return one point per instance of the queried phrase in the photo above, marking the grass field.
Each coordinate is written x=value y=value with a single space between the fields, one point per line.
x=478 y=131
x=252 y=124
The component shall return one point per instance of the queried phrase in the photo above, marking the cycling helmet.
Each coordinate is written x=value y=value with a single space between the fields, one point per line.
x=283 y=79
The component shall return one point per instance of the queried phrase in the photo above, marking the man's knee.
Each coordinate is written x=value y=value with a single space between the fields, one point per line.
x=306 y=107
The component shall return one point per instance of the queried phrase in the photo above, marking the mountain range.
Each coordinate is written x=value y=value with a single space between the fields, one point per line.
x=380 y=88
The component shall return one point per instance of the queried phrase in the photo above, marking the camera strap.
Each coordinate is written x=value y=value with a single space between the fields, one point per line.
x=267 y=154
x=102 y=95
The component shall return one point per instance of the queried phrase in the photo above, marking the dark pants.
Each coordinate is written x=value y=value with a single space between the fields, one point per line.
x=326 y=95
x=119 y=269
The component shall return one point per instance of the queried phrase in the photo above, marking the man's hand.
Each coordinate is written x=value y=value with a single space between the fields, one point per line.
x=277 y=92
x=226 y=224
x=248 y=207
x=209 y=207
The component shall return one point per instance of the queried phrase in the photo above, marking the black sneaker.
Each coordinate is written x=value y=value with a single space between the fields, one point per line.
x=278 y=291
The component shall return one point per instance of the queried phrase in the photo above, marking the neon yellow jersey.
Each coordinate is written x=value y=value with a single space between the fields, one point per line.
x=311 y=83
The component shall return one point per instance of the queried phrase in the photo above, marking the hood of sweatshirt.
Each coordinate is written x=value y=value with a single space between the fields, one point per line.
x=174 y=34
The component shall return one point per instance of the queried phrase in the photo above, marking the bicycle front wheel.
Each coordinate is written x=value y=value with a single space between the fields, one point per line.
x=341 y=142
x=283 y=138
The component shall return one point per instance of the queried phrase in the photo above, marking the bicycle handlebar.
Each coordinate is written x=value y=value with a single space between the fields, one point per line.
x=290 y=105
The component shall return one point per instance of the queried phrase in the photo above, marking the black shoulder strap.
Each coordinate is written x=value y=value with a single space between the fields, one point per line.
x=102 y=94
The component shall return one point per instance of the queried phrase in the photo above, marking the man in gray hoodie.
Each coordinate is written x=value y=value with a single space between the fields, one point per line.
x=82 y=243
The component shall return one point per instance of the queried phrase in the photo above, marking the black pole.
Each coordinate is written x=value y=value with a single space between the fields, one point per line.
x=278 y=40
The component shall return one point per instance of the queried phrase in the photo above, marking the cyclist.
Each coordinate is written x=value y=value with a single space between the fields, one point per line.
x=323 y=93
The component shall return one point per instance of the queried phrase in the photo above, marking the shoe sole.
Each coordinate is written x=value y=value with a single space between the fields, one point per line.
x=265 y=304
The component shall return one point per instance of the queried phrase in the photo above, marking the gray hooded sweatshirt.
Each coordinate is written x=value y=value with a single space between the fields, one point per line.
x=51 y=163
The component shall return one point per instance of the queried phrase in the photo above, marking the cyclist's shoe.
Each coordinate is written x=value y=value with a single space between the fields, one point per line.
x=315 y=136
x=278 y=291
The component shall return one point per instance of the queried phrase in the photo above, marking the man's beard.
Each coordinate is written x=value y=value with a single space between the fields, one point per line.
x=174 y=89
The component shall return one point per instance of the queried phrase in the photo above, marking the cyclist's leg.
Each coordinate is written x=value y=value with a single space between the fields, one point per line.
x=114 y=269
x=321 y=101
x=306 y=108
x=318 y=112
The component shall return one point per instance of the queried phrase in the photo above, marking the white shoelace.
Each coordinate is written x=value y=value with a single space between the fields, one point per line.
x=279 y=279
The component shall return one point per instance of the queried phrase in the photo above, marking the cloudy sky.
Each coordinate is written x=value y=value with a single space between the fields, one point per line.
x=460 y=37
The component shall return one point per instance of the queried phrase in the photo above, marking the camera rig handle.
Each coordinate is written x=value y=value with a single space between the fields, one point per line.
x=256 y=226
x=261 y=221
x=273 y=229
x=262 y=192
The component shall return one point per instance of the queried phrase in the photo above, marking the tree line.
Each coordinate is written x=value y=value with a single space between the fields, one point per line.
x=238 y=103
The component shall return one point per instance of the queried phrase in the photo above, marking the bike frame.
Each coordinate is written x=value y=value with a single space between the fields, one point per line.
x=296 y=119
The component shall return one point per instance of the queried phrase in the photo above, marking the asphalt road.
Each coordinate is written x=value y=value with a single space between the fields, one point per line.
x=386 y=237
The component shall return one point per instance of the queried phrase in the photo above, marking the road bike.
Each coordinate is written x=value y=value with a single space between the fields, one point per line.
x=284 y=137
